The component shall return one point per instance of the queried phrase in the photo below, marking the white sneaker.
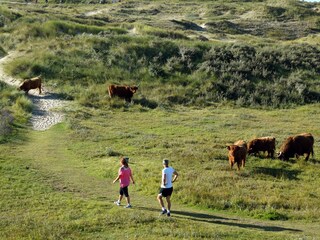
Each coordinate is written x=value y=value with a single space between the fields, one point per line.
x=117 y=203
x=128 y=206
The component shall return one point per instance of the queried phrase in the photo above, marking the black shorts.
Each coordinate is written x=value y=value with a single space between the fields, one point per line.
x=124 y=191
x=165 y=192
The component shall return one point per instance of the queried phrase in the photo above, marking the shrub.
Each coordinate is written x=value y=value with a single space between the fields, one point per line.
x=6 y=121
x=54 y=28
x=7 y=16
x=272 y=215
x=166 y=34
x=14 y=110
x=2 y=52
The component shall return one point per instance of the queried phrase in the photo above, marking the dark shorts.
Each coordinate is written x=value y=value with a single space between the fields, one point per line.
x=165 y=192
x=124 y=191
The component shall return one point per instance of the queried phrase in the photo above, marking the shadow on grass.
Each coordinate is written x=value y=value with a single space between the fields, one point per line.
x=188 y=215
x=208 y=218
x=314 y=161
x=144 y=102
x=278 y=173
x=212 y=219
x=51 y=96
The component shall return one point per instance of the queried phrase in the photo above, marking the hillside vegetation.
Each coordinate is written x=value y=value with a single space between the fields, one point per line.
x=252 y=53
x=15 y=111
x=209 y=73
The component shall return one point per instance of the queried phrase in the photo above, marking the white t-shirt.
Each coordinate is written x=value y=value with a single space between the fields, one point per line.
x=168 y=171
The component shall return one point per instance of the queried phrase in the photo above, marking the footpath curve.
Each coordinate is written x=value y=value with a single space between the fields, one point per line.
x=46 y=111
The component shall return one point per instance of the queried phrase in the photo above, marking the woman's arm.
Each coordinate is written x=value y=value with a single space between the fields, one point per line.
x=116 y=179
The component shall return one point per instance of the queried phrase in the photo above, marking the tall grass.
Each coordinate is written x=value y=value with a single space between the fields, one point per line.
x=247 y=75
x=81 y=50
x=15 y=110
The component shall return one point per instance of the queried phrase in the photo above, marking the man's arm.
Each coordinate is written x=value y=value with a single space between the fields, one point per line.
x=175 y=173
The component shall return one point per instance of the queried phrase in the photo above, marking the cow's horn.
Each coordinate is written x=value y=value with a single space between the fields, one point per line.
x=279 y=154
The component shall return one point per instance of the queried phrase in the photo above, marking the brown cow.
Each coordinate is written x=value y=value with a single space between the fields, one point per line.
x=263 y=144
x=32 y=83
x=237 y=154
x=125 y=92
x=297 y=146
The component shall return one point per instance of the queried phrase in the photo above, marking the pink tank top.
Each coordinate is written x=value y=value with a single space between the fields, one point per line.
x=125 y=174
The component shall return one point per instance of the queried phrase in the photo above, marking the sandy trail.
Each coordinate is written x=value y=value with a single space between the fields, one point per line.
x=46 y=105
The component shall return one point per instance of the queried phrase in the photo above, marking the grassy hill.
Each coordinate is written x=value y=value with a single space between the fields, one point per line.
x=252 y=53
x=209 y=73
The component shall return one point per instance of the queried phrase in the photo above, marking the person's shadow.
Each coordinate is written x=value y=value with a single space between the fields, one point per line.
x=232 y=222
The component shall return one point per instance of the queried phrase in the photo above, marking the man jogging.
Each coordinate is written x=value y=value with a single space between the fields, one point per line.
x=166 y=186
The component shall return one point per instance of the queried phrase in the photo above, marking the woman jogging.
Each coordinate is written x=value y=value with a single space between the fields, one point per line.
x=124 y=175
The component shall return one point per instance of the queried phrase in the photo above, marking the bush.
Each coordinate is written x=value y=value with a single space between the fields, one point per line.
x=15 y=110
x=248 y=75
x=58 y=28
x=272 y=215
x=6 y=121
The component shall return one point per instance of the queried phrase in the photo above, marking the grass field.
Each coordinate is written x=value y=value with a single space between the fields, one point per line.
x=58 y=183
x=209 y=73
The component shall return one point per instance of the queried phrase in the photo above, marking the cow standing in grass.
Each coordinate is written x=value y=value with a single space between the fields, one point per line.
x=263 y=144
x=125 y=92
x=237 y=154
x=32 y=83
x=296 y=146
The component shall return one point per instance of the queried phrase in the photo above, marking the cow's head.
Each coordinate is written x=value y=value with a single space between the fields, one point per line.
x=231 y=154
x=282 y=156
x=134 y=89
x=21 y=86
x=250 y=151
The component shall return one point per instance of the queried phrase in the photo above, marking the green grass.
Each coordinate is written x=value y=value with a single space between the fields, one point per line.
x=191 y=103
x=15 y=109
x=64 y=190
x=268 y=49
x=197 y=140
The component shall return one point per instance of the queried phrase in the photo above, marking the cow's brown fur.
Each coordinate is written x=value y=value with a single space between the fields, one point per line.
x=296 y=146
x=125 y=92
x=32 y=83
x=263 y=144
x=237 y=154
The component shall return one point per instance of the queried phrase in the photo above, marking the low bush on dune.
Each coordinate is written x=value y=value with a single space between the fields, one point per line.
x=2 y=52
x=171 y=67
x=247 y=75
x=56 y=28
x=15 y=110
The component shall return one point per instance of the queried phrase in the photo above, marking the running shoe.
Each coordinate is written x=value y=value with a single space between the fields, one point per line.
x=163 y=211
x=128 y=206
x=117 y=203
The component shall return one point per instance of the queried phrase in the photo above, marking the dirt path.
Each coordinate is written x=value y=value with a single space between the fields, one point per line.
x=46 y=105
